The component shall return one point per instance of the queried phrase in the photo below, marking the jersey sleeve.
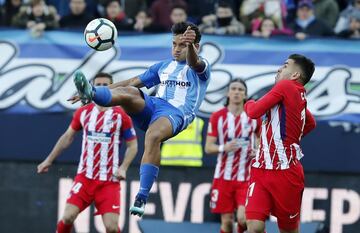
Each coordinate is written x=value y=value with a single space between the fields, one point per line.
x=212 y=127
x=75 y=122
x=127 y=128
x=151 y=77
x=255 y=109
x=310 y=122
x=205 y=74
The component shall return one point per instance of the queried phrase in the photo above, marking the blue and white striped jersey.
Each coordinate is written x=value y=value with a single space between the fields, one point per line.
x=180 y=86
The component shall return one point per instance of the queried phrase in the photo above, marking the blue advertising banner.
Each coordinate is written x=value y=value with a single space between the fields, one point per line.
x=36 y=81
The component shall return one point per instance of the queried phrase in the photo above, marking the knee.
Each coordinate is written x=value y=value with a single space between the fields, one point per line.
x=254 y=228
x=242 y=221
x=227 y=224
x=69 y=218
x=153 y=137
x=112 y=228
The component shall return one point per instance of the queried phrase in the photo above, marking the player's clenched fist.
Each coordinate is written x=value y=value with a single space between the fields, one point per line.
x=43 y=167
x=189 y=36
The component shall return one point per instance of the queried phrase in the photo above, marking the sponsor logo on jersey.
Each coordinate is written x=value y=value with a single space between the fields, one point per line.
x=174 y=83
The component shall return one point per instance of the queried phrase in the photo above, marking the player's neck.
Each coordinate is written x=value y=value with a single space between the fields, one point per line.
x=101 y=108
x=236 y=109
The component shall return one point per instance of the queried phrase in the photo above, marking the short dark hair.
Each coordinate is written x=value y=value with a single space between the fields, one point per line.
x=236 y=80
x=306 y=65
x=179 y=6
x=180 y=28
x=224 y=4
x=103 y=75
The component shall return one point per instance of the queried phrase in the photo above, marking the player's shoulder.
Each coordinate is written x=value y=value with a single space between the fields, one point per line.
x=119 y=110
x=165 y=62
x=86 y=107
x=221 y=112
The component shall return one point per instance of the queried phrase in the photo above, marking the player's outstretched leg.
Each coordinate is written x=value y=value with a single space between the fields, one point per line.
x=87 y=92
x=84 y=88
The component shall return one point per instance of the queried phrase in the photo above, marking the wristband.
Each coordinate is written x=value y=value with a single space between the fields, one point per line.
x=221 y=148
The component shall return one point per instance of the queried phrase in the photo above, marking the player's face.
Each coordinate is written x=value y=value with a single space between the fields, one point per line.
x=288 y=71
x=236 y=93
x=102 y=81
x=178 y=15
x=178 y=48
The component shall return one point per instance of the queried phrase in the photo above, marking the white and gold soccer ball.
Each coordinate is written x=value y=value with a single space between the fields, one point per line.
x=100 y=34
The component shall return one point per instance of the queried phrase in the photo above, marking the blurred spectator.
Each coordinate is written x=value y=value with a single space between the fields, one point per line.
x=344 y=19
x=63 y=9
x=78 y=17
x=306 y=24
x=353 y=31
x=144 y=23
x=327 y=11
x=178 y=14
x=199 y=8
x=290 y=10
x=132 y=7
x=343 y=4
x=11 y=8
x=253 y=11
x=37 y=17
x=224 y=22
x=116 y=14
x=161 y=9
x=268 y=28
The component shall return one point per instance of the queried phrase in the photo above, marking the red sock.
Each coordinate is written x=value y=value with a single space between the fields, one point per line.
x=63 y=228
x=240 y=229
x=119 y=230
x=221 y=231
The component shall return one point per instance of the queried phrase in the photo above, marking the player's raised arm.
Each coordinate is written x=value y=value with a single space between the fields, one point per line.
x=255 y=109
x=191 y=40
x=193 y=59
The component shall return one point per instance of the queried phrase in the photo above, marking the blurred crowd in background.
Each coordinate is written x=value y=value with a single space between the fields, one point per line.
x=300 y=19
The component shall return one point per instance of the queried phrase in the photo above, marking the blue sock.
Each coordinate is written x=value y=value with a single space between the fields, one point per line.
x=148 y=174
x=102 y=96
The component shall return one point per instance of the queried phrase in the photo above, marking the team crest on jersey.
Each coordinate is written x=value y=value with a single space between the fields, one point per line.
x=109 y=123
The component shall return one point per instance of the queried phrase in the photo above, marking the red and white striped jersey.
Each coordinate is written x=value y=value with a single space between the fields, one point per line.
x=285 y=120
x=225 y=126
x=102 y=135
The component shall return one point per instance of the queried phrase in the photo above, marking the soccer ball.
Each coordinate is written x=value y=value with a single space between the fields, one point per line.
x=100 y=34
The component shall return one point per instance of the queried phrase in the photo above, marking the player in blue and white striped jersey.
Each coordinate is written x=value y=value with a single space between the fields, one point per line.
x=182 y=85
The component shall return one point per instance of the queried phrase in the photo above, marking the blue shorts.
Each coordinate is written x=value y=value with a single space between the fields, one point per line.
x=156 y=108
